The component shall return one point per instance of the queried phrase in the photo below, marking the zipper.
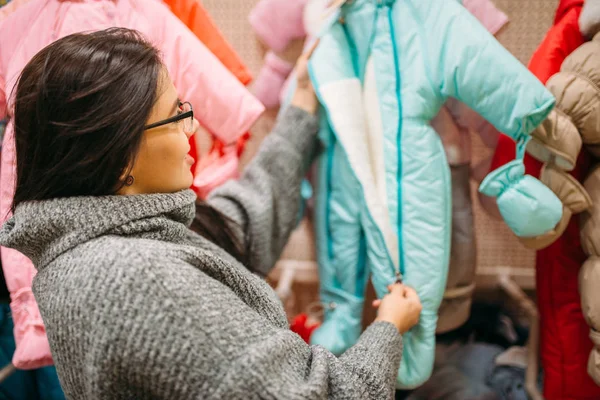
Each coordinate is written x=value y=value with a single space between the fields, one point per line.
x=400 y=269
x=362 y=274
x=330 y=150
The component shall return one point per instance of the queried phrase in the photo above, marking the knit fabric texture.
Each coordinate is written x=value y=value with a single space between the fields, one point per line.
x=137 y=306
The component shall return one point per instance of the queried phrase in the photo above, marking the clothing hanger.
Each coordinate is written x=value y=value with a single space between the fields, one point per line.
x=335 y=4
x=7 y=371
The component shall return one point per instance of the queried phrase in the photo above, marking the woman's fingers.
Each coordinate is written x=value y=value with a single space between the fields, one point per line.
x=311 y=50
x=410 y=292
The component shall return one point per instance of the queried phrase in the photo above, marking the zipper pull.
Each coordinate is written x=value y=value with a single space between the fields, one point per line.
x=398 y=277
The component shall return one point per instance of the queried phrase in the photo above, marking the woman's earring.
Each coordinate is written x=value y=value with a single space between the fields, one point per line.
x=129 y=180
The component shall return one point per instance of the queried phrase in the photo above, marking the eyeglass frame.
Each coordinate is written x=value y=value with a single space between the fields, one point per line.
x=175 y=118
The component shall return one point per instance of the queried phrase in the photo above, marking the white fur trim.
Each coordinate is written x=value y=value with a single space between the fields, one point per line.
x=364 y=145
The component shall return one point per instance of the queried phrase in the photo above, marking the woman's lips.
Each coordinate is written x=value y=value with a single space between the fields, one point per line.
x=189 y=159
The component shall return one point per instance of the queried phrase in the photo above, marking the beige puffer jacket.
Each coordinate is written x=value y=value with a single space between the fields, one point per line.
x=589 y=275
x=573 y=124
x=572 y=127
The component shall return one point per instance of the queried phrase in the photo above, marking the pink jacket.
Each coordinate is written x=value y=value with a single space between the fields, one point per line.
x=278 y=22
x=10 y=7
x=221 y=103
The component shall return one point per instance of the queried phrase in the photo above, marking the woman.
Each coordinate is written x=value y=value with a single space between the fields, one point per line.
x=135 y=304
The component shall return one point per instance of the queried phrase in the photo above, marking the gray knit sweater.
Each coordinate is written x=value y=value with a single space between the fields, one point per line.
x=136 y=306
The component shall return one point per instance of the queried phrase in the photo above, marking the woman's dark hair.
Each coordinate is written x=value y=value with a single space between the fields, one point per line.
x=80 y=108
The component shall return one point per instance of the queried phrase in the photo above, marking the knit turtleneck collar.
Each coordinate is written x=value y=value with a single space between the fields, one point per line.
x=43 y=230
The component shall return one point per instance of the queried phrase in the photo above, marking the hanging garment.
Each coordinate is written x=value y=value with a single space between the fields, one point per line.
x=10 y=7
x=222 y=161
x=278 y=25
x=222 y=104
x=476 y=371
x=574 y=124
x=450 y=383
x=562 y=38
x=483 y=359
x=2 y=130
x=384 y=205
x=453 y=123
x=589 y=20
x=460 y=285
x=565 y=342
x=278 y=22
x=487 y=13
x=271 y=79
x=277 y=33
x=589 y=276
x=193 y=14
x=455 y=120
x=215 y=168
x=301 y=325
x=576 y=121
x=38 y=384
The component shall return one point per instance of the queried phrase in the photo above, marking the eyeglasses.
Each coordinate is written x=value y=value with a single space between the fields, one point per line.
x=185 y=115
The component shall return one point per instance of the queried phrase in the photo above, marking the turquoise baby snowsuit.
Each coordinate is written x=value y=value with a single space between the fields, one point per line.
x=381 y=72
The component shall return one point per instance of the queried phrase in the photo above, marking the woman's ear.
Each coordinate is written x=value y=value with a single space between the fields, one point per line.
x=127 y=182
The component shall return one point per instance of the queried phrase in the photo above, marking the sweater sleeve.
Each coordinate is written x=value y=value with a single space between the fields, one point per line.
x=214 y=346
x=265 y=201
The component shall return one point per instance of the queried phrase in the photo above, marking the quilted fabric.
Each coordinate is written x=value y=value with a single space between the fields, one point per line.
x=556 y=140
x=528 y=206
x=590 y=271
x=573 y=196
x=383 y=205
x=565 y=342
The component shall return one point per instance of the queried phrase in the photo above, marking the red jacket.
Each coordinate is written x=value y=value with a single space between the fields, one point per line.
x=565 y=344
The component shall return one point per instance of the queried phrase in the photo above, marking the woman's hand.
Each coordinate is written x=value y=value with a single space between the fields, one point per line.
x=401 y=307
x=304 y=96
